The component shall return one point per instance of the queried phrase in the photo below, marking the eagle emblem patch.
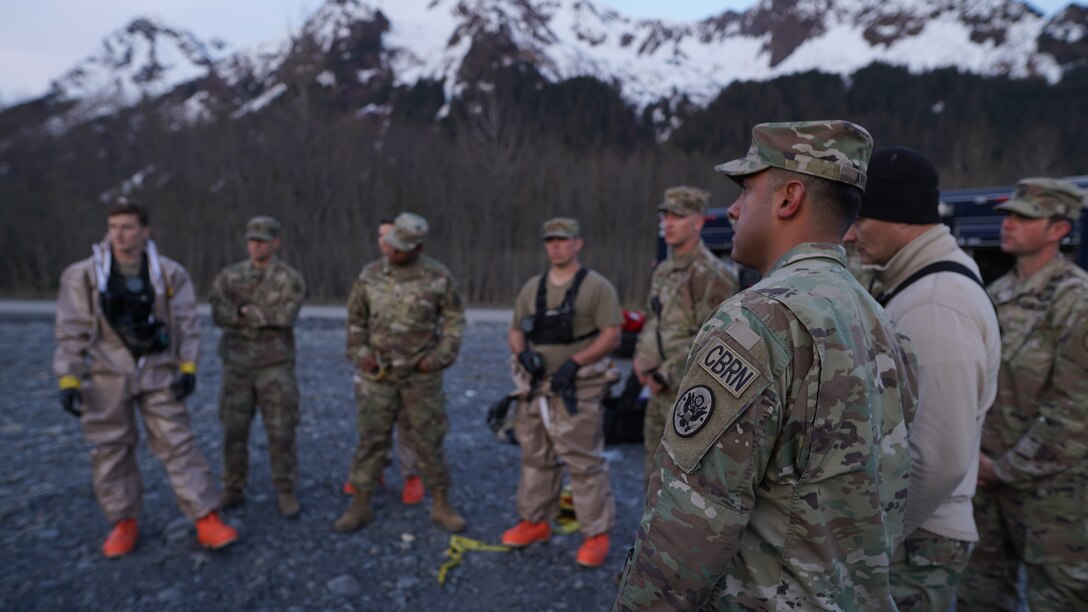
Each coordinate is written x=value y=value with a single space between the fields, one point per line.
x=692 y=410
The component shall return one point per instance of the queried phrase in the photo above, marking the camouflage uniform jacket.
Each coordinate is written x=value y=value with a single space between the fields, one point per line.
x=1038 y=427
x=265 y=336
x=689 y=287
x=87 y=344
x=782 y=477
x=401 y=314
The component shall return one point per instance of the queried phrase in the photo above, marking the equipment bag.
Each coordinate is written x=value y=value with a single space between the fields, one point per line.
x=624 y=413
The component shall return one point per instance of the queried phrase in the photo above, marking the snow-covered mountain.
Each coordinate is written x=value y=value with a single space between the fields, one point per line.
x=653 y=59
x=400 y=42
x=143 y=59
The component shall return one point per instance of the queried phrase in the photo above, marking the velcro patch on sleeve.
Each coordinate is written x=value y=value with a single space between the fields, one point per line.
x=741 y=332
x=722 y=380
x=726 y=365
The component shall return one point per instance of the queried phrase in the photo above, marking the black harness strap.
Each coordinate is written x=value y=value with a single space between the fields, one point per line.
x=566 y=307
x=940 y=266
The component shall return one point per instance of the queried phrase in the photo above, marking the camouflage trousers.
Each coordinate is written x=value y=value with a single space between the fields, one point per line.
x=926 y=569
x=274 y=391
x=406 y=457
x=420 y=398
x=402 y=448
x=658 y=409
x=550 y=437
x=1045 y=531
x=109 y=425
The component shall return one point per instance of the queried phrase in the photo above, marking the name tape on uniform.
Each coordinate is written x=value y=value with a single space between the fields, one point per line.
x=728 y=368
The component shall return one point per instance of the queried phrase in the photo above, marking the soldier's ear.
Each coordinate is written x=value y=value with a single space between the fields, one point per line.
x=788 y=199
x=1058 y=228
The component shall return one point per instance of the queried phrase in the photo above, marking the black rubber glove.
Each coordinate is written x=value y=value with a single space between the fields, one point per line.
x=184 y=386
x=533 y=363
x=563 y=384
x=72 y=401
x=496 y=413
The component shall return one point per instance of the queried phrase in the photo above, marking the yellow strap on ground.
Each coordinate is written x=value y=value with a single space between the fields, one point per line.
x=456 y=550
x=566 y=525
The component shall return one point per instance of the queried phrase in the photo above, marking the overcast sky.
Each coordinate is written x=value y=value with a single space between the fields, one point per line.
x=41 y=39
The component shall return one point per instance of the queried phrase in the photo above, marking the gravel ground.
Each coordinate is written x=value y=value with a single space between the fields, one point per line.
x=52 y=528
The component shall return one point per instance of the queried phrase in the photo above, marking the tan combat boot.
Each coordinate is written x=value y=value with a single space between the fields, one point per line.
x=442 y=513
x=288 y=504
x=358 y=514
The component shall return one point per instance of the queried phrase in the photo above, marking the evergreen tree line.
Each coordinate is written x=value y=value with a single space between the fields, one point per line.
x=508 y=152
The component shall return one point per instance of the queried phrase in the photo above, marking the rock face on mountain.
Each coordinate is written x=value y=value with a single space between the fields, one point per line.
x=143 y=59
x=1065 y=37
x=369 y=47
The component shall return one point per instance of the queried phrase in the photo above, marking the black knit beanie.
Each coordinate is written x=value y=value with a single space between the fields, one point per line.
x=902 y=187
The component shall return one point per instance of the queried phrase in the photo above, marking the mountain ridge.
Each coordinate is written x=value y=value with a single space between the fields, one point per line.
x=400 y=43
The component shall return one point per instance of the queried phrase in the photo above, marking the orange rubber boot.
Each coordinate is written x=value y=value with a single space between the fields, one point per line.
x=211 y=532
x=593 y=551
x=413 y=491
x=526 y=533
x=122 y=539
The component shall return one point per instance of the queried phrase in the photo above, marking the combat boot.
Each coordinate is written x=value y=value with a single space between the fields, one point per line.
x=288 y=504
x=349 y=489
x=358 y=514
x=442 y=513
x=231 y=497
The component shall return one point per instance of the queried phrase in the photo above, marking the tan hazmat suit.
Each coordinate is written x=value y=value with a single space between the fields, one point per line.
x=114 y=386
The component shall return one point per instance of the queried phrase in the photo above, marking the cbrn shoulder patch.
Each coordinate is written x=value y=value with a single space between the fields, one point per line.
x=727 y=367
x=728 y=373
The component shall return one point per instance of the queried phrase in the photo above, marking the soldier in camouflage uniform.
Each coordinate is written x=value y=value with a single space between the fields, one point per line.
x=256 y=302
x=780 y=482
x=413 y=491
x=405 y=323
x=1032 y=506
x=685 y=290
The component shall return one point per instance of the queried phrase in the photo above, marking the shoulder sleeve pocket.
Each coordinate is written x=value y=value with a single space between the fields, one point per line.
x=723 y=378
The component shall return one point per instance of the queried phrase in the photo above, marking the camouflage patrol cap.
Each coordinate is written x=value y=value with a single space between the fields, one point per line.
x=1045 y=197
x=409 y=230
x=561 y=227
x=684 y=201
x=263 y=228
x=835 y=150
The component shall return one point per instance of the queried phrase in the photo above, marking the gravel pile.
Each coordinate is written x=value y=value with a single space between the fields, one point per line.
x=52 y=529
